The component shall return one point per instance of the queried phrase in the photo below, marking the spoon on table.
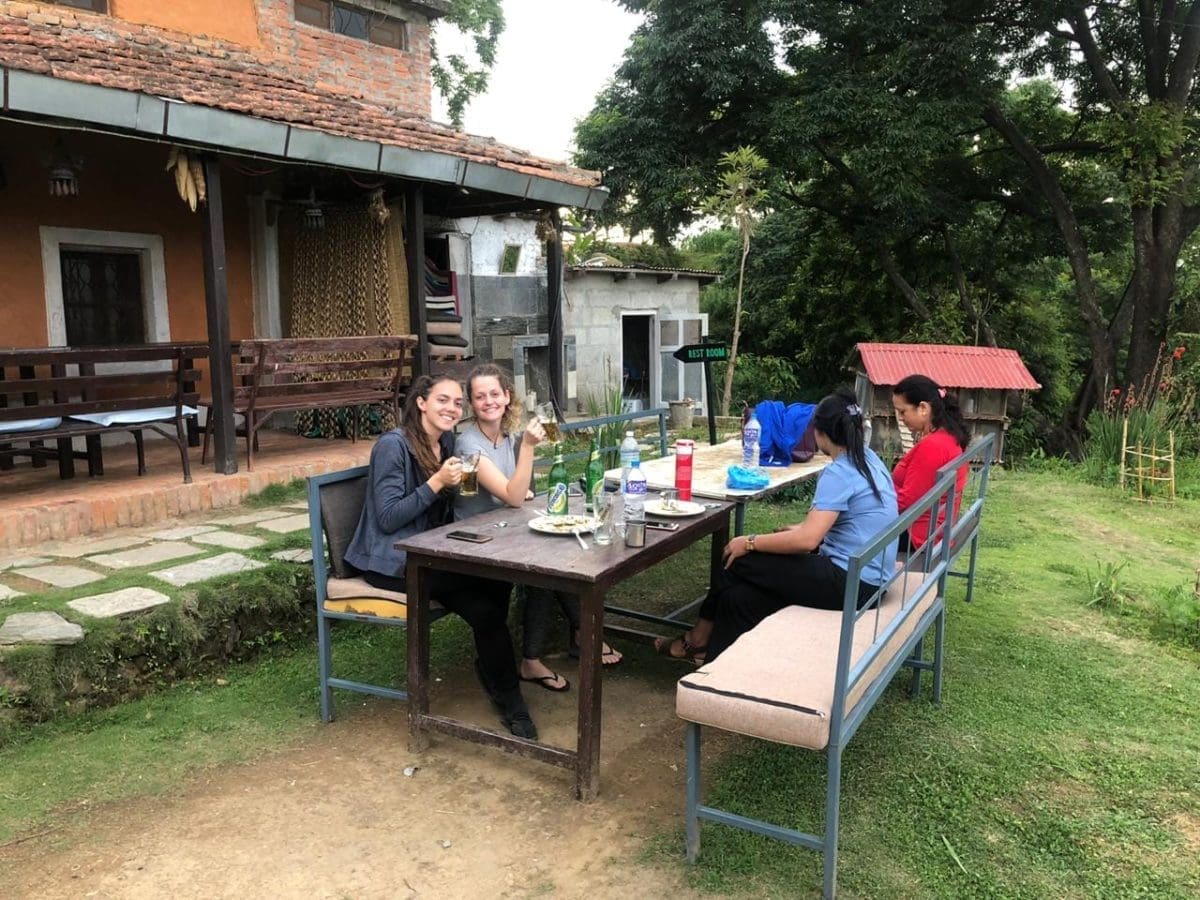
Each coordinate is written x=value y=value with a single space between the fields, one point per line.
x=579 y=537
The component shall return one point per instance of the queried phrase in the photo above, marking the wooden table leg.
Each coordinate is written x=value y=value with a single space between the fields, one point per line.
x=591 y=636
x=418 y=582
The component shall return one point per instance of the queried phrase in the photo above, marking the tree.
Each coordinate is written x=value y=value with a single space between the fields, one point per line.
x=897 y=122
x=738 y=201
x=457 y=75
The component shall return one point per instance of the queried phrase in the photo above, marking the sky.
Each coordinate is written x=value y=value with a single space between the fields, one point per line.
x=553 y=58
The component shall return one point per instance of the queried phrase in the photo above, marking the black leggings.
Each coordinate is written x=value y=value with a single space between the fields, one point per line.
x=535 y=618
x=483 y=603
x=759 y=584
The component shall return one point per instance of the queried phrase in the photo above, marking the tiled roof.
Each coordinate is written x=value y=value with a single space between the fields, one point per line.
x=948 y=365
x=203 y=72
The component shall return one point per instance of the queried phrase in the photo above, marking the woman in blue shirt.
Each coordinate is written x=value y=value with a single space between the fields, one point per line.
x=803 y=564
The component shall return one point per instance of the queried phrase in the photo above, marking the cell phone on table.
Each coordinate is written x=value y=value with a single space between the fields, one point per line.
x=663 y=526
x=473 y=537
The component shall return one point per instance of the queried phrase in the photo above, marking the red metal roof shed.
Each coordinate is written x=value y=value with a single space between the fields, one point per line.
x=949 y=365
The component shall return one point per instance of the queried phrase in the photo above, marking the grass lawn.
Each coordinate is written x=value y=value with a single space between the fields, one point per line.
x=1063 y=762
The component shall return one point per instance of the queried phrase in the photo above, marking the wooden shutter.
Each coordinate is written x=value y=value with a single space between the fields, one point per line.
x=389 y=32
x=313 y=12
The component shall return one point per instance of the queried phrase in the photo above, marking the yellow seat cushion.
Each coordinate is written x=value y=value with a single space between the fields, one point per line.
x=776 y=681
x=354 y=595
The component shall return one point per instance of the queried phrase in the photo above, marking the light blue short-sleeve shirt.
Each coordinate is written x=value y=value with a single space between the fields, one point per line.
x=861 y=516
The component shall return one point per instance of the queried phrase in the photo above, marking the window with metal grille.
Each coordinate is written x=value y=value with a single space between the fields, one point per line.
x=100 y=6
x=353 y=21
x=102 y=298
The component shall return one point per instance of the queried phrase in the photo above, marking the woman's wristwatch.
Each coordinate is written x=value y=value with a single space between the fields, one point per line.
x=750 y=539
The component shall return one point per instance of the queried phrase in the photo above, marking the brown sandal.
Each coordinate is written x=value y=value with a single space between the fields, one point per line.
x=691 y=653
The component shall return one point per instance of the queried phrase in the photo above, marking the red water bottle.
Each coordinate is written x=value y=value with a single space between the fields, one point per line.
x=684 y=450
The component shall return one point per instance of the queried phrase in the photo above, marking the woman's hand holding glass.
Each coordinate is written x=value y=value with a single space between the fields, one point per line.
x=534 y=433
x=449 y=475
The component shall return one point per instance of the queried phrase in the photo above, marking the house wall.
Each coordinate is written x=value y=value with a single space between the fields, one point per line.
x=594 y=304
x=268 y=30
x=122 y=188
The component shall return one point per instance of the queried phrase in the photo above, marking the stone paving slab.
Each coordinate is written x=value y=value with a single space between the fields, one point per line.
x=182 y=533
x=39 y=628
x=229 y=539
x=86 y=546
x=23 y=562
x=250 y=518
x=60 y=576
x=286 y=524
x=204 y=569
x=119 y=603
x=145 y=556
x=299 y=555
x=7 y=593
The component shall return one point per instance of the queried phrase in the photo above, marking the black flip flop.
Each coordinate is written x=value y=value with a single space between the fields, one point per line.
x=546 y=683
x=573 y=652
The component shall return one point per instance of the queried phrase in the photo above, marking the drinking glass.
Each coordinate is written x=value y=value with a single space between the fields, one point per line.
x=669 y=499
x=470 y=470
x=602 y=506
x=549 y=421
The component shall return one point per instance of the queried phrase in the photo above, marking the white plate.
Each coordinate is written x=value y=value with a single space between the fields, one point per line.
x=568 y=524
x=683 y=508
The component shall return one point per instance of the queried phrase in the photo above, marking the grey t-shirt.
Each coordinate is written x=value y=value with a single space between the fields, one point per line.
x=505 y=459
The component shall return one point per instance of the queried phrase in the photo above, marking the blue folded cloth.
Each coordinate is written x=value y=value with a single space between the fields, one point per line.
x=741 y=479
x=782 y=427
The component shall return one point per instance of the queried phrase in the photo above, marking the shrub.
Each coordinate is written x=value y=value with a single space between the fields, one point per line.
x=1107 y=591
x=1179 y=608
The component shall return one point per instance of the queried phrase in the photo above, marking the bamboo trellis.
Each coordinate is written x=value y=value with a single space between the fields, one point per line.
x=1150 y=468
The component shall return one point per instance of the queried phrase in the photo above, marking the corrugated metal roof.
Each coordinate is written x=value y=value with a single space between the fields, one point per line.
x=949 y=365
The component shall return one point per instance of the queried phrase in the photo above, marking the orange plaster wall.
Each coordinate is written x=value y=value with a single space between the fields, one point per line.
x=123 y=187
x=231 y=20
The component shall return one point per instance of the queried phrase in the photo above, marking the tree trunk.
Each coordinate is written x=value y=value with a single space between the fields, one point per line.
x=982 y=328
x=737 y=328
x=888 y=264
x=1104 y=363
x=1157 y=241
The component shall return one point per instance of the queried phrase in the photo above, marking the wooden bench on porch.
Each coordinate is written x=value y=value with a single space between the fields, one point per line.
x=296 y=374
x=56 y=394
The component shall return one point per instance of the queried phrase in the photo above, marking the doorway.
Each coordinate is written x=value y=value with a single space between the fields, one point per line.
x=637 y=360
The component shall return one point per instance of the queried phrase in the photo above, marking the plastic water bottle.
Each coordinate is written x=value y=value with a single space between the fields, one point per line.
x=629 y=452
x=751 y=432
x=634 y=495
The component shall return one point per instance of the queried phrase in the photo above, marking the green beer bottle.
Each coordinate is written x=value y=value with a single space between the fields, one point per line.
x=556 y=497
x=593 y=476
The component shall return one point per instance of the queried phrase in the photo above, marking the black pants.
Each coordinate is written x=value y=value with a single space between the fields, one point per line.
x=535 y=617
x=759 y=584
x=483 y=603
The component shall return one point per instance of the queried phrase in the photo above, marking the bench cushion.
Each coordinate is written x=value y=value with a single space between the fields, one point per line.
x=30 y=424
x=133 y=416
x=776 y=681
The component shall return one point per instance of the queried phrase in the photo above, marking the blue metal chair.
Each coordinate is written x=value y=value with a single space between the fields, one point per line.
x=335 y=502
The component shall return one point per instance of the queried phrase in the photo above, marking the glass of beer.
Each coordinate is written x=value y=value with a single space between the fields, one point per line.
x=549 y=421
x=470 y=470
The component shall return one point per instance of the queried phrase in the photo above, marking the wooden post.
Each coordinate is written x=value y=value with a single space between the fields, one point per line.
x=554 y=280
x=1171 y=466
x=216 y=305
x=1124 y=449
x=1141 y=469
x=414 y=249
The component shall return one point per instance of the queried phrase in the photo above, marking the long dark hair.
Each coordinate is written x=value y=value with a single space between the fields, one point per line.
x=840 y=419
x=943 y=406
x=419 y=441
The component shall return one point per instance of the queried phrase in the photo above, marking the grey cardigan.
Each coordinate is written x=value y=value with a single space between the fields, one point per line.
x=399 y=504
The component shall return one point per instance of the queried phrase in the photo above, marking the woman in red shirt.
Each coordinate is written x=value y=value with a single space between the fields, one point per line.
x=937 y=425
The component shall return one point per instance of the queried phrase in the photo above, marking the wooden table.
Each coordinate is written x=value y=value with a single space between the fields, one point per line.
x=518 y=554
x=709 y=467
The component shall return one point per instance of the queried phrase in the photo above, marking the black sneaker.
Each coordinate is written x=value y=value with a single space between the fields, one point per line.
x=522 y=726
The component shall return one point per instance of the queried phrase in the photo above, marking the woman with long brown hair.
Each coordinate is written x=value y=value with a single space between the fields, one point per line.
x=412 y=479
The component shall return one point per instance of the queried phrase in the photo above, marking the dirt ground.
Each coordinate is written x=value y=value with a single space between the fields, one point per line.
x=336 y=817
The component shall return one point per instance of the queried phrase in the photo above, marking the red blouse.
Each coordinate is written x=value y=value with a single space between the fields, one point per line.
x=916 y=473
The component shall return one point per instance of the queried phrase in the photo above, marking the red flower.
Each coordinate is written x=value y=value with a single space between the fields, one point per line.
x=1179 y=351
x=1115 y=392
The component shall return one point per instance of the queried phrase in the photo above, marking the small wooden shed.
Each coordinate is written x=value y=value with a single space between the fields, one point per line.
x=984 y=378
